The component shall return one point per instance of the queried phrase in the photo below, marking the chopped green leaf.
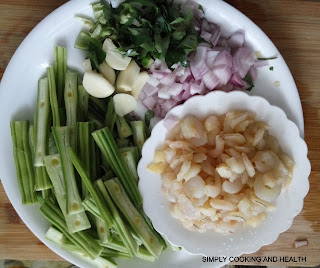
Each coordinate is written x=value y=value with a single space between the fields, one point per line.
x=248 y=79
x=271 y=68
x=144 y=30
x=271 y=58
x=148 y=116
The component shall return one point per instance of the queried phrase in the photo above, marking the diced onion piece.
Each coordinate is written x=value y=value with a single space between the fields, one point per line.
x=96 y=85
x=128 y=77
x=113 y=57
x=124 y=103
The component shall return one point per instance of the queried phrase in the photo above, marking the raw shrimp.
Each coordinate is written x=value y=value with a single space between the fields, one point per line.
x=234 y=139
x=264 y=192
x=232 y=187
x=265 y=160
x=222 y=172
x=184 y=169
x=187 y=208
x=235 y=165
x=212 y=124
x=195 y=187
x=192 y=172
x=219 y=147
x=248 y=165
x=222 y=204
x=191 y=127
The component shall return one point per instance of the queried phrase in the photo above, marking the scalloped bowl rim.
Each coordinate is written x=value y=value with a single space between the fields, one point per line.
x=157 y=207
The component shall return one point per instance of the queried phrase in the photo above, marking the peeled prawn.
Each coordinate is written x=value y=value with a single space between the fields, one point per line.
x=195 y=187
x=232 y=187
x=264 y=192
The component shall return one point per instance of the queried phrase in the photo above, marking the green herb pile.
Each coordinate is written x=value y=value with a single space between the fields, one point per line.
x=142 y=29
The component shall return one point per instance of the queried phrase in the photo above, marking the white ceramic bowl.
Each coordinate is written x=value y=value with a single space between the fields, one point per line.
x=245 y=239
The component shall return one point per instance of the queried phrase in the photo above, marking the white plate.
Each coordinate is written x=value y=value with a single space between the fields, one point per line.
x=18 y=97
x=245 y=239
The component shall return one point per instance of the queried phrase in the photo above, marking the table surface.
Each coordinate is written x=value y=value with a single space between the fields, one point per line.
x=294 y=27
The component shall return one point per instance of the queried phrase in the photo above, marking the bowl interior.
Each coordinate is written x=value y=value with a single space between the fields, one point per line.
x=245 y=239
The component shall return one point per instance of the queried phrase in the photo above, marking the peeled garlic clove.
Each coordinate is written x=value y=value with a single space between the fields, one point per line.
x=113 y=57
x=96 y=85
x=124 y=104
x=139 y=84
x=107 y=72
x=128 y=77
x=86 y=64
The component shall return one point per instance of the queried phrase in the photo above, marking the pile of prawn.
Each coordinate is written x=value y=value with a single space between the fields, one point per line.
x=221 y=172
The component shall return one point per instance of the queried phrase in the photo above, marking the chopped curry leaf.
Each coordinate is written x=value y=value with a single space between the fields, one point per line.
x=144 y=29
x=249 y=81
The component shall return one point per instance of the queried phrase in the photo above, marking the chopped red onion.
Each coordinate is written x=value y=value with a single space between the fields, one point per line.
x=210 y=80
x=223 y=73
x=236 y=80
x=243 y=59
x=170 y=121
x=237 y=39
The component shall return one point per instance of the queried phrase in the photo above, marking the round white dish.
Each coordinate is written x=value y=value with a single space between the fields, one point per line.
x=245 y=239
x=19 y=86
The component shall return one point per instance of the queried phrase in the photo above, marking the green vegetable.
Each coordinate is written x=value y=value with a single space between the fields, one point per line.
x=123 y=143
x=41 y=123
x=75 y=222
x=101 y=204
x=81 y=239
x=131 y=162
x=123 y=128
x=60 y=69
x=248 y=79
x=120 y=225
x=87 y=152
x=132 y=149
x=270 y=58
x=144 y=30
x=83 y=102
x=148 y=116
x=52 y=148
x=103 y=231
x=53 y=97
x=42 y=181
x=55 y=236
x=71 y=101
x=90 y=206
x=135 y=219
x=108 y=147
x=111 y=253
x=83 y=41
x=62 y=139
x=139 y=133
x=271 y=68
x=23 y=161
x=111 y=116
